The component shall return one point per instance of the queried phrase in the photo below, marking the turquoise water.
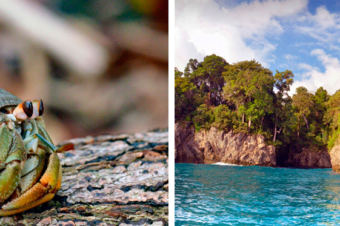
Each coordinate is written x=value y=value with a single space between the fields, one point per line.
x=252 y=195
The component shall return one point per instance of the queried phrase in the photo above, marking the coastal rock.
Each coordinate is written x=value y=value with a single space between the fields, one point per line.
x=335 y=158
x=219 y=146
x=240 y=148
x=186 y=148
x=310 y=159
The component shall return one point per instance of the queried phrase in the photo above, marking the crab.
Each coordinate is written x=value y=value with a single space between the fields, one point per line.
x=30 y=170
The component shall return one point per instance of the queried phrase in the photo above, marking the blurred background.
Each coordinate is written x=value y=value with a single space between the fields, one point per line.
x=99 y=66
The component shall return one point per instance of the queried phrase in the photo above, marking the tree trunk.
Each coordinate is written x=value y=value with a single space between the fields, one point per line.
x=305 y=120
x=274 y=132
x=243 y=118
x=275 y=129
x=274 y=138
x=249 y=123
x=100 y=184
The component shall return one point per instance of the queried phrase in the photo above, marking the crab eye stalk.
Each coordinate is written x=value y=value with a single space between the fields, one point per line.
x=38 y=108
x=41 y=108
x=28 y=108
x=23 y=111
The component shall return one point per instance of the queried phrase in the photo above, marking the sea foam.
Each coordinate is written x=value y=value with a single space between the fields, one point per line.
x=225 y=164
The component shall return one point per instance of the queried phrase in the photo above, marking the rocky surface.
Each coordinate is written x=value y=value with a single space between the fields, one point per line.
x=108 y=180
x=219 y=146
x=335 y=158
x=186 y=147
x=310 y=159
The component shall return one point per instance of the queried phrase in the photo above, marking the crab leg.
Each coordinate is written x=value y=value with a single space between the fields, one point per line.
x=12 y=153
x=5 y=143
x=40 y=192
x=38 y=162
x=43 y=190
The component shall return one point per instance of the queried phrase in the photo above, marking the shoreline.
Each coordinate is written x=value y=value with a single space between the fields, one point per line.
x=230 y=164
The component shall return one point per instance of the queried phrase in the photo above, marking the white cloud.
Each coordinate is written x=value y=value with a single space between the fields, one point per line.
x=290 y=57
x=306 y=67
x=237 y=34
x=323 y=26
x=325 y=19
x=335 y=47
x=313 y=78
x=305 y=44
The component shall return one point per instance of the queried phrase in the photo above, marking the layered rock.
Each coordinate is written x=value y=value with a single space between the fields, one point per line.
x=219 y=146
x=309 y=158
x=335 y=158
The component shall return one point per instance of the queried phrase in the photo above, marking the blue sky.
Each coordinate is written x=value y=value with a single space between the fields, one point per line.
x=299 y=35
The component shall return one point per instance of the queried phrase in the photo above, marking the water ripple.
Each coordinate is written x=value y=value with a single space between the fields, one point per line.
x=251 y=195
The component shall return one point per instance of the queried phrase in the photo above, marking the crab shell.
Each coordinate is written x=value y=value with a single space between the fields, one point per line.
x=7 y=99
x=41 y=183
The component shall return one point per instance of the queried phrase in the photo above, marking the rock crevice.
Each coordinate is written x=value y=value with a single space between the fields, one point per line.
x=309 y=158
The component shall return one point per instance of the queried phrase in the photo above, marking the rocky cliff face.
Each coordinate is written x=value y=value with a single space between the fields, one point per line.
x=310 y=159
x=218 y=146
x=186 y=148
x=335 y=158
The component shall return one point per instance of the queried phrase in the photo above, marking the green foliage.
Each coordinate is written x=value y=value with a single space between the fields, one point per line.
x=223 y=118
x=240 y=127
x=245 y=97
x=333 y=140
x=203 y=118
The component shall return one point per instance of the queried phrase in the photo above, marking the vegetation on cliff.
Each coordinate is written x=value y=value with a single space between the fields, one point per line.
x=246 y=97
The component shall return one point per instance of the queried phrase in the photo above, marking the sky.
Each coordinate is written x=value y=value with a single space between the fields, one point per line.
x=299 y=35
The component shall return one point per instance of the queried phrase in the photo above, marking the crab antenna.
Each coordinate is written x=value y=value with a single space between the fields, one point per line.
x=65 y=147
x=47 y=143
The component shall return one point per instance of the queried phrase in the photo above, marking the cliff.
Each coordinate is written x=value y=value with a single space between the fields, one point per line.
x=186 y=147
x=219 y=146
x=335 y=158
x=309 y=158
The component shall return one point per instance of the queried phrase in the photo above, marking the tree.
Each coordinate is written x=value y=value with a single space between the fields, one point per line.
x=250 y=87
x=302 y=103
x=332 y=118
x=333 y=110
x=208 y=74
x=283 y=81
x=186 y=97
x=318 y=129
x=204 y=117
x=222 y=117
x=214 y=66
x=191 y=67
x=178 y=73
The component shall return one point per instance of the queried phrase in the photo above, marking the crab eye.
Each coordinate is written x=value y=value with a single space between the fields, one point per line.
x=41 y=108
x=2 y=110
x=28 y=108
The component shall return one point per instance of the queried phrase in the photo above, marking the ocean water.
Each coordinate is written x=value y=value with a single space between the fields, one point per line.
x=251 y=195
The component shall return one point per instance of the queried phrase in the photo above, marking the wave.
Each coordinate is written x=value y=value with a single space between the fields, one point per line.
x=225 y=164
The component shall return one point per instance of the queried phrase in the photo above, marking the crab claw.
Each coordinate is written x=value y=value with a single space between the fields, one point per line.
x=35 y=186
x=23 y=111
x=41 y=192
